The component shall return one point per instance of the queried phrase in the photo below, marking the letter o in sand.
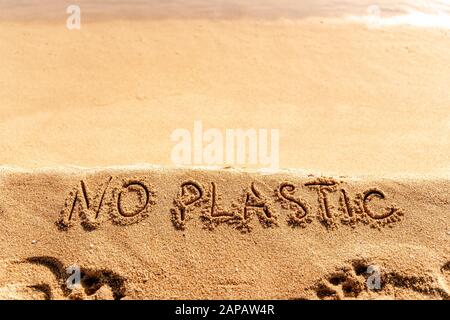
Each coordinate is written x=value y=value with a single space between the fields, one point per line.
x=141 y=197
x=132 y=201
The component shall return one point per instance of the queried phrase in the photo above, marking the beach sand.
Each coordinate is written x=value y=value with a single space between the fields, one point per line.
x=366 y=108
x=346 y=99
x=159 y=233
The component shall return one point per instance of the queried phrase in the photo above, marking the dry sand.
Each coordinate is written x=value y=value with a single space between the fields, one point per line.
x=172 y=233
x=369 y=105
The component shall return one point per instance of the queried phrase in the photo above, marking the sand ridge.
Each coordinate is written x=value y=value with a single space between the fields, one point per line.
x=193 y=233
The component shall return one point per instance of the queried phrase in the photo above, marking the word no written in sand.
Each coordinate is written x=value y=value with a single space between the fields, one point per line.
x=129 y=201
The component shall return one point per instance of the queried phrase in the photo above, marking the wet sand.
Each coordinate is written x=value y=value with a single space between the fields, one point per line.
x=346 y=99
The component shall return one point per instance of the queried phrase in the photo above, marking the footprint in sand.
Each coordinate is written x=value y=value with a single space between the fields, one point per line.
x=346 y=282
x=44 y=278
x=350 y=282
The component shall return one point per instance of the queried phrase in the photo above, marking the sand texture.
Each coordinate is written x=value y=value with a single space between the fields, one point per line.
x=363 y=114
x=175 y=233
x=346 y=99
